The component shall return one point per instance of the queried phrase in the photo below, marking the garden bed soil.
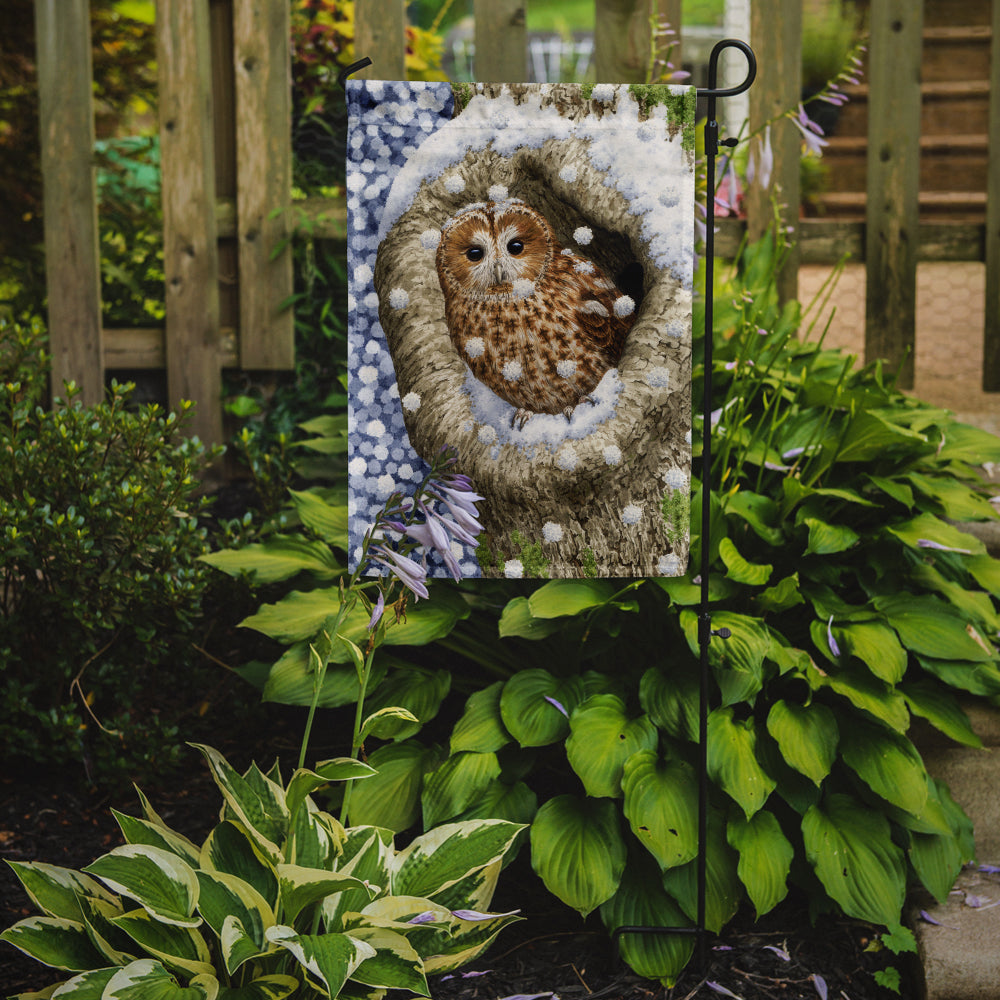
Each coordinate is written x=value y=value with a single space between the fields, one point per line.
x=60 y=821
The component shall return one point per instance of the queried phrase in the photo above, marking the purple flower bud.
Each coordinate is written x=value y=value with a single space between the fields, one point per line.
x=377 y=611
x=834 y=648
x=412 y=575
x=820 y=983
x=558 y=705
x=428 y=916
x=476 y=915
x=927 y=543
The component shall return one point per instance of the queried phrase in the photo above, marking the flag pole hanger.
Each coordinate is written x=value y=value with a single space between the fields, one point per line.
x=705 y=630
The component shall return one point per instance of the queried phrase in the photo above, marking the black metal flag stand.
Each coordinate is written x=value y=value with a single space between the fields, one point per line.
x=705 y=631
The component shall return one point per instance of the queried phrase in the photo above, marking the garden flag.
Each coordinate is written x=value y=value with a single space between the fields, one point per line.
x=520 y=261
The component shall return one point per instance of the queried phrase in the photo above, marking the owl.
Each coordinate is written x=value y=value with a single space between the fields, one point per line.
x=537 y=323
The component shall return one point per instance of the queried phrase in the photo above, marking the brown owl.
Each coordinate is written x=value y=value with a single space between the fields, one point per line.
x=535 y=322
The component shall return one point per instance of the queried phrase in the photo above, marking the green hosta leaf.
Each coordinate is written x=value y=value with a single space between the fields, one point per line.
x=976 y=678
x=965 y=443
x=888 y=763
x=783 y=595
x=738 y=661
x=865 y=692
x=641 y=901
x=327 y=520
x=292 y=681
x=180 y=948
x=974 y=604
x=56 y=891
x=54 y=941
x=230 y=849
x=301 y=887
x=330 y=959
x=927 y=527
x=661 y=798
x=850 y=847
x=876 y=646
x=765 y=858
x=456 y=784
x=931 y=628
x=225 y=897
x=147 y=979
x=941 y=709
x=515 y=803
x=957 y=501
x=395 y=964
x=898 y=491
x=807 y=736
x=559 y=598
x=670 y=698
x=481 y=728
x=869 y=436
x=758 y=511
x=517 y=620
x=440 y=858
x=578 y=851
x=602 y=738
x=262 y=812
x=937 y=859
x=732 y=760
x=683 y=592
x=723 y=889
x=741 y=571
x=986 y=571
x=274 y=987
x=141 y=831
x=528 y=714
x=391 y=798
x=386 y=723
x=828 y=539
x=417 y=690
x=304 y=782
x=159 y=881
x=278 y=558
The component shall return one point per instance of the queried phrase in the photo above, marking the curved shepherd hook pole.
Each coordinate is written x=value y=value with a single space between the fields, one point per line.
x=705 y=631
x=353 y=68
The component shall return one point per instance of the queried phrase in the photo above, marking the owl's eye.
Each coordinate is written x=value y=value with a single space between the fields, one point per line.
x=475 y=253
x=515 y=247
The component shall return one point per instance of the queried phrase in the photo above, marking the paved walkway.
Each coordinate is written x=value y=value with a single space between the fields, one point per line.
x=950 y=314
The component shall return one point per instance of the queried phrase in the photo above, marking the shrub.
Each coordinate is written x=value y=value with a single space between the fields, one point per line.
x=99 y=539
x=279 y=900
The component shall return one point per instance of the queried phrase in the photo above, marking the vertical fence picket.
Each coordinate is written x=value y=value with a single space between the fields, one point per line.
x=776 y=35
x=261 y=57
x=892 y=214
x=72 y=257
x=501 y=41
x=380 y=34
x=621 y=40
x=190 y=253
x=991 y=332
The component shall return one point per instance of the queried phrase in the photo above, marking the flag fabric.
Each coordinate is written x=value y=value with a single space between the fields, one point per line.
x=520 y=263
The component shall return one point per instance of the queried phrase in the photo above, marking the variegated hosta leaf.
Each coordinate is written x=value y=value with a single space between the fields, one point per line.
x=578 y=851
x=177 y=947
x=274 y=987
x=304 y=782
x=602 y=738
x=56 y=891
x=467 y=940
x=315 y=839
x=141 y=831
x=159 y=881
x=441 y=857
x=642 y=902
x=116 y=946
x=225 y=897
x=147 y=979
x=230 y=849
x=395 y=964
x=301 y=887
x=256 y=801
x=366 y=855
x=87 y=986
x=329 y=959
x=475 y=891
x=765 y=858
x=661 y=799
x=238 y=944
x=54 y=941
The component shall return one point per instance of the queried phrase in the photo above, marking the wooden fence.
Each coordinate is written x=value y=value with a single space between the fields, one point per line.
x=226 y=161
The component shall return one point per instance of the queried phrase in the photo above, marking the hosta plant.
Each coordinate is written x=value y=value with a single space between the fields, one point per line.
x=279 y=900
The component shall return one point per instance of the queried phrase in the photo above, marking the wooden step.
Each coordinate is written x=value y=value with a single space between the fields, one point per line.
x=940 y=13
x=956 y=53
x=957 y=206
x=945 y=104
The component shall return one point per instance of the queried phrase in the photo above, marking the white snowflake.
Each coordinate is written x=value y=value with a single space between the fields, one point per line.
x=631 y=513
x=372 y=347
x=411 y=402
x=624 y=306
x=676 y=479
x=512 y=371
x=523 y=288
x=668 y=565
x=474 y=347
x=583 y=267
x=362 y=274
x=430 y=238
x=386 y=484
x=567 y=458
x=658 y=378
x=603 y=92
x=566 y=368
x=568 y=174
x=381 y=453
x=513 y=569
x=375 y=428
x=487 y=434
x=612 y=454
x=366 y=396
x=583 y=235
x=370 y=301
x=552 y=532
x=454 y=183
x=357 y=466
x=399 y=298
x=497 y=192
x=368 y=374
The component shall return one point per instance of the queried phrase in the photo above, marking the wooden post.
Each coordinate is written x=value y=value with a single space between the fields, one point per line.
x=669 y=12
x=621 y=40
x=501 y=41
x=776 y=35
x=72 y=256
x=893 y=183
x=190 y=254
x=261 y=41
x=991 y=333
x=380 y=34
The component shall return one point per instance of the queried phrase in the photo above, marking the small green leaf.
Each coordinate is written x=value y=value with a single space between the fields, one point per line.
x=481 y=727
x=828 y=539
x=732 y=760
x=888 y=763
x=559 y=598
x=384 y=723
x=327 y=520
x=927 y=527
x=741 y=571
x=391 y=798
x=279 y=558
x=765 y=858
x=455 y=785
x=783 y=595
x=670 y=698
x=660 y=805
x=517 y=620
x=807 y=736
x=530 y=706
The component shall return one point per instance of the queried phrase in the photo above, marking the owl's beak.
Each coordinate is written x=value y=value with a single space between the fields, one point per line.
x=497 y=272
